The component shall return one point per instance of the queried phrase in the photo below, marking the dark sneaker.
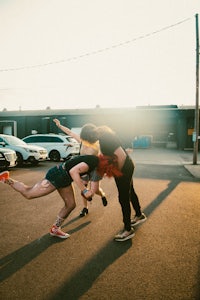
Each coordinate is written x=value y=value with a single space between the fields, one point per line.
x=56 y=231
x=104 y=201
x=84 y=212
x=138 y=220
x=124 y=235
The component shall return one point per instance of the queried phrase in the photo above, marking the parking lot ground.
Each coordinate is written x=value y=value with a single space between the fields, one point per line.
x=162 y=261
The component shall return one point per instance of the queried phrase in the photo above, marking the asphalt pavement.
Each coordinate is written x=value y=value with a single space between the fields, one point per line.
x=161 y=262
x=163 y=156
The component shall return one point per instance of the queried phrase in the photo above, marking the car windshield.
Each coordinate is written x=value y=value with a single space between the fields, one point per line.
x=13 y=140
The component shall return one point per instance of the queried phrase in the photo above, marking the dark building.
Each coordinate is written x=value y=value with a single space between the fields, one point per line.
x=163 y=126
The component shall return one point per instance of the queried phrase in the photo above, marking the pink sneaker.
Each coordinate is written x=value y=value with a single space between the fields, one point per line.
x=56 y=231
x=4 y=176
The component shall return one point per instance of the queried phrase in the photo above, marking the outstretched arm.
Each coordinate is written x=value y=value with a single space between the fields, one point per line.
x=67 y=130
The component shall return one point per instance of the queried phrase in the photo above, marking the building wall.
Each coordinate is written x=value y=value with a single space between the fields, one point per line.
x=160 y=123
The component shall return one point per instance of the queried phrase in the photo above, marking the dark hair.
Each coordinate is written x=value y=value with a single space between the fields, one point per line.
x=89 y=133
x=104 y=129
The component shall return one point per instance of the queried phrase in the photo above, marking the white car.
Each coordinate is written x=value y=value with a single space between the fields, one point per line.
x=58 y=146
x=25 y=153
x=8 y=159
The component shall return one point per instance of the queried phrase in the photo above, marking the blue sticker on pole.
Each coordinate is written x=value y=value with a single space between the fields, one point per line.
x=194 y=136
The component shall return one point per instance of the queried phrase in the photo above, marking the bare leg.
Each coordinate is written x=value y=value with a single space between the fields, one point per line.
x=84 y=211
x=41 y=188
x=85 y=202
x=67 y=194
x=95 y=187
x=44 y=187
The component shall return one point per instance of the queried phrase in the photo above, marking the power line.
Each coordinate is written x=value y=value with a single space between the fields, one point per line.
x=96 y=51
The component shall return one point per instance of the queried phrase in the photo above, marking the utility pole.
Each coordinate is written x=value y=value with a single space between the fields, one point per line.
x=196 y=119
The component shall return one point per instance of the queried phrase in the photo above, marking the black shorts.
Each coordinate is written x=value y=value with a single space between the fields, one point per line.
x=58 y=177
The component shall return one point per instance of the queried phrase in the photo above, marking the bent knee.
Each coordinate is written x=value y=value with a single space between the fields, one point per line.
x=71 y=206
x=28 y=196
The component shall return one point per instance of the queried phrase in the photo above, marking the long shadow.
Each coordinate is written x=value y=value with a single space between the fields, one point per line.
x=19 y=258
x=162 y=196
x=83 y=279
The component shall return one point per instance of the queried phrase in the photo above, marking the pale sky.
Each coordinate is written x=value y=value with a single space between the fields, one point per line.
x=83 y=53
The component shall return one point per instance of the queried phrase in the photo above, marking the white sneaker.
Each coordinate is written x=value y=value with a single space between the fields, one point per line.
x=138 y=220
x=124 y=235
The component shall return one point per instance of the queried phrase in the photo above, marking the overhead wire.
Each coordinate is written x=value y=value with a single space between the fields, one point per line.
x=96 y=51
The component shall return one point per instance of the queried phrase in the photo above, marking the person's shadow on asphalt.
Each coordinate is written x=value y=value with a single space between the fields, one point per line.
x=81 y=281
x=19 y=258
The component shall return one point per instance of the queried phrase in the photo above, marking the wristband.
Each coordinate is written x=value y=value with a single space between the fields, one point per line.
x=84 y=191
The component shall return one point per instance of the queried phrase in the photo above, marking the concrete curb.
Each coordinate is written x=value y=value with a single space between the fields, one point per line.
x=194 y=170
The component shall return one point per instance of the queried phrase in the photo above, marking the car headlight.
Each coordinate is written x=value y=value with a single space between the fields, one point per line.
x=30 y=150
x=33 y=151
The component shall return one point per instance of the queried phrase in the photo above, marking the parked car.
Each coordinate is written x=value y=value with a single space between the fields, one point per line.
x=8 y=159
x=25 y=153
x=58 y=146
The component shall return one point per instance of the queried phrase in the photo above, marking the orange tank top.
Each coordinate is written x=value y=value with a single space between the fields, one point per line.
x=89 y=149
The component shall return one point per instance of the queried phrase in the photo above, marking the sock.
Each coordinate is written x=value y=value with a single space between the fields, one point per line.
x=59 y=221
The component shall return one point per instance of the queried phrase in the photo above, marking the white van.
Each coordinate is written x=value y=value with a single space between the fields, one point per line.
x=58 y=146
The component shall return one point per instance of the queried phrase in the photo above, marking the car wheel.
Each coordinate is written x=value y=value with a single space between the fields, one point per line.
x=33 y=161
x=19 y=159
x=54 y=155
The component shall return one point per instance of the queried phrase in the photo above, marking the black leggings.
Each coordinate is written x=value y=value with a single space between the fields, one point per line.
x=127 y=194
